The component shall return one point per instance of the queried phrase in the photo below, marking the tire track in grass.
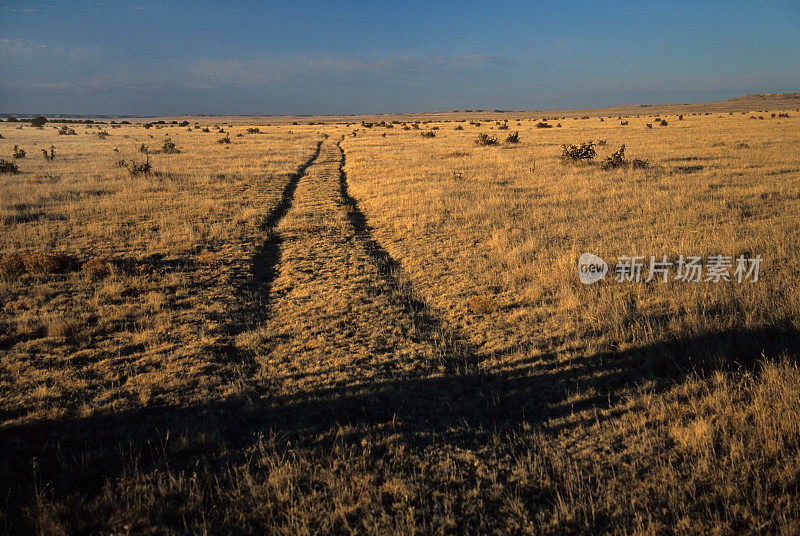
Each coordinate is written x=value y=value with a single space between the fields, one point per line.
x=252 y=309
x=454 y=354
x=340 y=317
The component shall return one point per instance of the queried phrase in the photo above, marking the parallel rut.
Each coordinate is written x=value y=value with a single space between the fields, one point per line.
x=338 y=315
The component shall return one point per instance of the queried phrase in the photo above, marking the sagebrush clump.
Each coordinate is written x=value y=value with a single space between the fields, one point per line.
x=6 y=166
x=486 y=139
x=578 y=153
x=617 y=160
x=169 y=147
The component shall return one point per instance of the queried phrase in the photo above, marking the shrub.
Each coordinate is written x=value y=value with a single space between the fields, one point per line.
x=103 y=134
x=7 y=166
x=253 y=130
x=51 y=156
x=67 y=131
x=576 y=153
x=169 y=147
x=38 y=121
x=504 y=126
x=623 y=123
x=225 y=140
x=617 y=160
x=485 y=139
x=205 y=129
x=429 y=134
x=458 y=127
x=513 y=138
x=19 y=153
x=542 y=124
x=136 y=168
x=663 y=122
x=649 y=125
x=14 y=264
x=144 y=149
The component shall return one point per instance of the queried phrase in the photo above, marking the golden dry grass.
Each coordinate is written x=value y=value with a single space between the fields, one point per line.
x=292 y=334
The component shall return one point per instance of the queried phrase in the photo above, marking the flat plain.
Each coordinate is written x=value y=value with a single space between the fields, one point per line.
x=375 y=325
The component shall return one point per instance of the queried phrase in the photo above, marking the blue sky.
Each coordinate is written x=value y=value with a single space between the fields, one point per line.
x=152 y=57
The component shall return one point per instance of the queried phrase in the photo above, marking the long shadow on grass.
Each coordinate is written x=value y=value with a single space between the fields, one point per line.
x=80 y=456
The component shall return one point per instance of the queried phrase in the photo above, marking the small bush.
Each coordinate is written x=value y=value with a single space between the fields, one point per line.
x=253 y=130
x=513 y=138
x=205 y=129
x=623 y=123
x=459 y=127
x=7 y=166
x=225 y=140
x=103 y=134
x=15 y=264
x=576 y=153
x=542 y=124
x=51 y=155
x=485 y=139
x=663 y=122
x=617 y=160
x=137 y=168
x=144 y=149
x=649 y=125
x=429 y=134
x=66 y=131
x=169 y=147
x=19 y=153
x=504 y=126
x=38 y=121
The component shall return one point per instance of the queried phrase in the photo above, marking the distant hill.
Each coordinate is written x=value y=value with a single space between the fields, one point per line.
x=756 y=102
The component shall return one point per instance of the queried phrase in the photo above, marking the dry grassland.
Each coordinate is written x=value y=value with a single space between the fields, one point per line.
x=352 y=328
